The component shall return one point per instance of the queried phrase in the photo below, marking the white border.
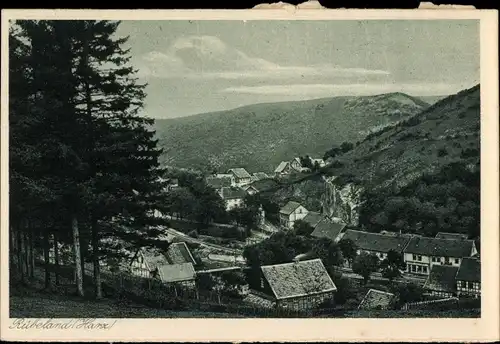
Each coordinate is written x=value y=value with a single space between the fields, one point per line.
x=201 y=330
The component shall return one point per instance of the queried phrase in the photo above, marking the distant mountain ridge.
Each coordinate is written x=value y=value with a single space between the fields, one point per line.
x=258 y=137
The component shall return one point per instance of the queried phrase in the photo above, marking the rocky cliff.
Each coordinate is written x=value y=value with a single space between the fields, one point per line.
x=341 y=201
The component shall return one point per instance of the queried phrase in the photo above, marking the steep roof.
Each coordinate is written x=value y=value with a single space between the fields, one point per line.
x=281 y=167
x=328 y=229
x=313 y=218
x=264 y=184
x=290 y=207
x=375 y=299
x=179 y=253
x=470 y=270
x=445 y=235
x=442 y=278
x=456 y=248
x=260 y=175
x=377 y=242
x=153 y=258
x=298 y=279
x=177 y=272
x=232 y=193
x=218 y=183
x=240 y=172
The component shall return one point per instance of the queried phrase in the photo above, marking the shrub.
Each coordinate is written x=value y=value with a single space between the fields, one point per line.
x=337 y=163
x=442 y=152
x=193 y=233
x=410 y=122
x=469 y=153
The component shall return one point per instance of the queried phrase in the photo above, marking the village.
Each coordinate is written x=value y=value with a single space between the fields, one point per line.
x=445 y=267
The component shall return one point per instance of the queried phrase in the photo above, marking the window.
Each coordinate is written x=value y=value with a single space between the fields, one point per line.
x=463 y=284
x=446 y=260
x=419 y=258
x=424 y=269
x=419 y=268
x=470 y=285
x=414 y=257
x=457 y=261
x=434 y=259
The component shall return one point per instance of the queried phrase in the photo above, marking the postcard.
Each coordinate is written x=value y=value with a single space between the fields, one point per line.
x=283 y=174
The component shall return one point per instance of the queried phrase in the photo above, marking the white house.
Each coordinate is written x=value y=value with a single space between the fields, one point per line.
x=241 y=176
x=292 y=212
x=283 y=169
x=232 y=196
x=422 y=253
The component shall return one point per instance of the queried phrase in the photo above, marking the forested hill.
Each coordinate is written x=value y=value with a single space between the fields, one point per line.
x=423 y=174
x=259 y=136
x=446 y=132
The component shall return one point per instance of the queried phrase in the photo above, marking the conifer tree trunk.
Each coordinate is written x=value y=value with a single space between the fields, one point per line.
x=32 y=253
x=95 y=257
x=12 y=248
x=56 y=258
x=19 y=253
x=26 y=252
x=77 y=256
x=46 y=251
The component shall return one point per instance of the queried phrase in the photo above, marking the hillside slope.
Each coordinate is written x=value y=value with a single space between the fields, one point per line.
x=446 y=132
x=259 y=136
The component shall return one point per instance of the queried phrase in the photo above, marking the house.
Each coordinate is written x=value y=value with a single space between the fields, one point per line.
x=232 y=196
x=296 y=164
x=377 y=300
x=469 y=277
x=259 y=176
x=226 y=175
x=218 y=183
x=313 y=218
x=241 y=176
x=283 y=169
x=290 y=213
x=319 y=162
x=376 y=243
x=178 y=274
x=441 y=281
x=422 y=253
x=444 y=235
x=146 y=262
x=261 y=186
x=179 y=253
x=328 y=229
x=297 y=285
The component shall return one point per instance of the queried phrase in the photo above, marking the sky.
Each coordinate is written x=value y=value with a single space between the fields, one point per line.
x=194 y=67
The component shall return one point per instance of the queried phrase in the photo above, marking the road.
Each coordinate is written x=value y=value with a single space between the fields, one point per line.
x=187 y=238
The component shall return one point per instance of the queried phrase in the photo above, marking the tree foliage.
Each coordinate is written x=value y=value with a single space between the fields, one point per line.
x=445 y=201
x=364 y=265
x=96 y=171
x=392 y=265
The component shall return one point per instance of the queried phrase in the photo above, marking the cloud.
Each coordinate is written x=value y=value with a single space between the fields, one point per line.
x=207 y=57
x=325 y=90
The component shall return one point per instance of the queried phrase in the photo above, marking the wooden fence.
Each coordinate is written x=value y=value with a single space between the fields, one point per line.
x=451 y=302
